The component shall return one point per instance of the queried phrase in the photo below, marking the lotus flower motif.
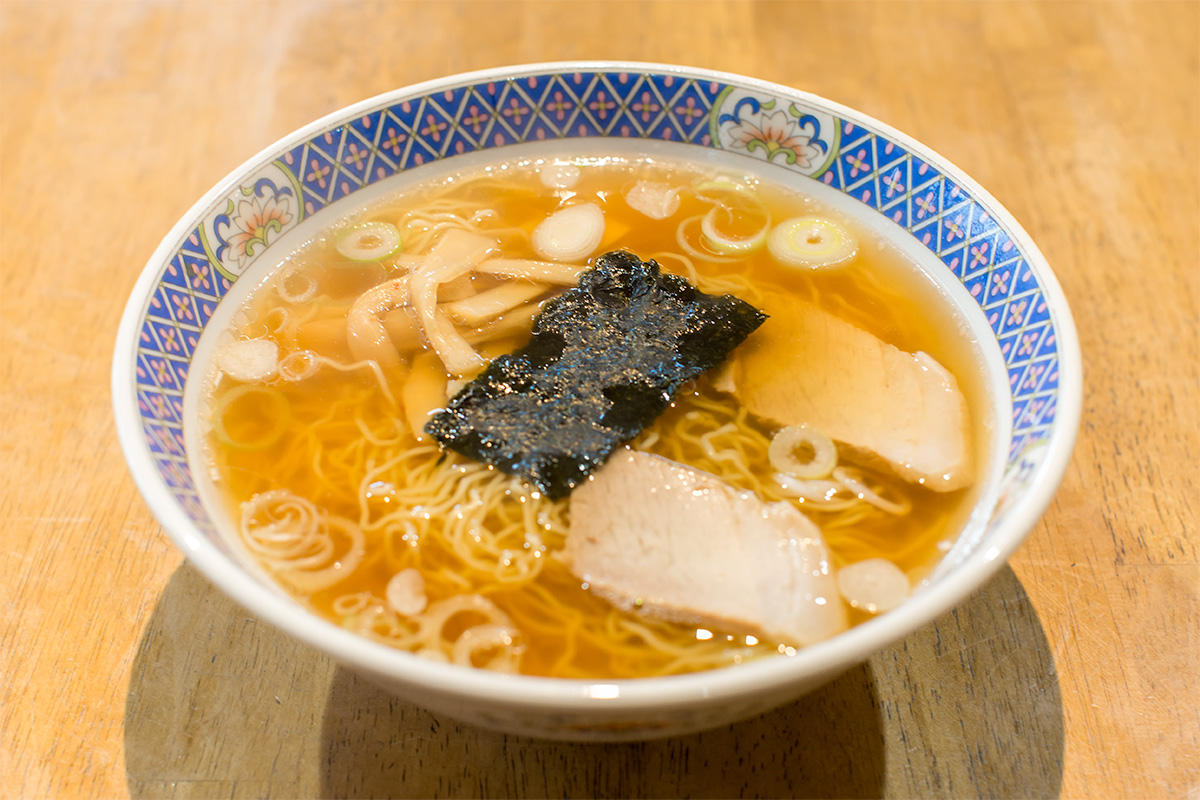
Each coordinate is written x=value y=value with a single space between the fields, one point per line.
x=252 y=221
x=774 y=134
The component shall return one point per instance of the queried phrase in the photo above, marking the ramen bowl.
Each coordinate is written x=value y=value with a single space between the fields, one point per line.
x=978 y=256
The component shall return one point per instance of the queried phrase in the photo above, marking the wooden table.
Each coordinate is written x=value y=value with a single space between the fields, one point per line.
x=1074 y=673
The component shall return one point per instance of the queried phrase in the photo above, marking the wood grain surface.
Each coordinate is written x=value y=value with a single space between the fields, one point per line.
x=1074 y=673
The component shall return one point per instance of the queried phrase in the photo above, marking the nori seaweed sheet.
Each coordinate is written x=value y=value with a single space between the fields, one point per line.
x=604 y=360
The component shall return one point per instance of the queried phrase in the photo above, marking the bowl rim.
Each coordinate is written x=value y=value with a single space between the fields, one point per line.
x=712 y=687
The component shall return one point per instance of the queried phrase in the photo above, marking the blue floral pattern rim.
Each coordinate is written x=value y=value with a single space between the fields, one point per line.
x=806 y=138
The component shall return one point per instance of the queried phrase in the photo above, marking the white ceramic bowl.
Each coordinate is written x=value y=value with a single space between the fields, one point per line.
x=974 y=250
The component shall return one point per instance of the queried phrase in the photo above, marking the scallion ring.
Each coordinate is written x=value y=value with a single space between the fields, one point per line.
x=369 y=241
x=819 y=494
x=681 y=238
x=295 y=286
x=856 y=481
x=811 y=243
x=820 y=453
x=727 y=233
x=263 y=415
x=738 y=221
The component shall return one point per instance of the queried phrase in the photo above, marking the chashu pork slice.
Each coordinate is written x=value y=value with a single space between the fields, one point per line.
x=807 y=366
x=680 y=544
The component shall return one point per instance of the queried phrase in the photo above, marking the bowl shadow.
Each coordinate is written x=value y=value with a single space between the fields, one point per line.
x=827 y=744
x=220 y=705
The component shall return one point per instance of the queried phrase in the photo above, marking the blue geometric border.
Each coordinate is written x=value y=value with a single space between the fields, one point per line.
x=792 y=133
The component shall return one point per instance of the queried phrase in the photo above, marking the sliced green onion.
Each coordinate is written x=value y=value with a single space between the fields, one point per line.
x=370 y=241
x=811 y=243
x=695 y=251
x=570 y=234
x=298 y=365
x=737 y=223
x=723 y=229
x=819 y=494
x=721 y=191
x=784 y=452
x=263 y=415
x=856 y=481
x=295 y=286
